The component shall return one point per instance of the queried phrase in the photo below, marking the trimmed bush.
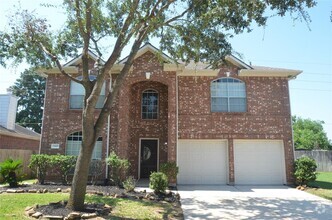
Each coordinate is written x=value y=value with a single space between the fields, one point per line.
x=40 y=163
x=119 y=168
x=305 y=170
x=129 y=184
x=63 y=164
x=170 y=170
x=158 y=182
x=9 y=169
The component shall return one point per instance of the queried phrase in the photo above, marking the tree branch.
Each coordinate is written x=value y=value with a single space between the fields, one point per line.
x=57 y=62
x=120 y=78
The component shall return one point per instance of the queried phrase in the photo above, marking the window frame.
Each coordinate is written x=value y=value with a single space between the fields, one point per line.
x=228 y=89
x=78 y=135
x=157 y=105
x=101 y=97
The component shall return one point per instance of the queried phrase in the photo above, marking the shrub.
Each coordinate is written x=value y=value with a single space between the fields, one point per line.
x=158 y=182
x=305 y=170
x=96 y=169
x=40 y=163
x=170 y=170
x=129 y=184
x=9 y=169
x=63 y=164
x=119 y=168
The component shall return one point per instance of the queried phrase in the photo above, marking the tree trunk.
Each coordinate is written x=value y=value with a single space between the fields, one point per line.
x=78 y=189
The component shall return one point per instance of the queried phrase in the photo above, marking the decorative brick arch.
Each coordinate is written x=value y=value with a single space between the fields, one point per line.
x=145 y=63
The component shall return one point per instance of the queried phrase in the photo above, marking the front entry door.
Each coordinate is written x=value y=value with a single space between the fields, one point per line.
x=149 y=157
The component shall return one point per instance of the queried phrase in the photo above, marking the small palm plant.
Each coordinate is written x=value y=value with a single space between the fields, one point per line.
x=9 y=169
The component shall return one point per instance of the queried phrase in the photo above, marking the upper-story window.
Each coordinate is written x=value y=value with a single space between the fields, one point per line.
x=74 y=142
x=150 y=101
x=228 y=95
x=77 y=96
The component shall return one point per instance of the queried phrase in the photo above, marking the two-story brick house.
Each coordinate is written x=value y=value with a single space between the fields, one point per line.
x=230 y=125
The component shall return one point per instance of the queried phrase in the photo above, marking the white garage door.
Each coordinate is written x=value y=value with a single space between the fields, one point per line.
x=202 y=162
x=259 y=162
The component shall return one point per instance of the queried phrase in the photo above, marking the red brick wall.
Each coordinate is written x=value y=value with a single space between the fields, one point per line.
x=267 y=117
x=9 y=142
x=59 y=120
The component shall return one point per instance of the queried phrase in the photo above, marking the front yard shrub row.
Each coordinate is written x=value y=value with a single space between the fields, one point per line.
x=9 y=169
x=62 y=164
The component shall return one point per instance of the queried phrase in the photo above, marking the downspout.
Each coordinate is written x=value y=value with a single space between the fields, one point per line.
x=107 y=144
x=108 y=133
x=177 y=115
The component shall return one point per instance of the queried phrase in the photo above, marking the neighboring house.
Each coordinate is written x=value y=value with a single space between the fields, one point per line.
x=14 y=136
x=16 y=141
x=231 y=125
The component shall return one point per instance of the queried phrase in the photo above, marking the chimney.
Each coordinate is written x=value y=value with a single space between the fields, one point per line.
x=8 y=107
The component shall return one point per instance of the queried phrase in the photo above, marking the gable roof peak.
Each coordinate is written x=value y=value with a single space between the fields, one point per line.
x=237 y=62
x=148 y=47
x=77 y=60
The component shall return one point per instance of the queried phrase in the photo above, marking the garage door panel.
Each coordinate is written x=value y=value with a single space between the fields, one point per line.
x=202 y=162
x=258 y=162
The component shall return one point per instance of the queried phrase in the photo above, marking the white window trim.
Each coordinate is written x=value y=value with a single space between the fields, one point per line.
x=158 y=101
x=228 y=97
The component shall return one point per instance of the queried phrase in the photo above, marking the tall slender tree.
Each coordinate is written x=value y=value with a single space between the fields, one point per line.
x=187 y=30
x=30 y=90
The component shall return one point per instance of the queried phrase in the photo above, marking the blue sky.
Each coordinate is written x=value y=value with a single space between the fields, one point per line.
x=282 y=43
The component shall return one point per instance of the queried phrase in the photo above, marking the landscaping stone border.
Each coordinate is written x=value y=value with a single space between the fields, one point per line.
x=32 y=211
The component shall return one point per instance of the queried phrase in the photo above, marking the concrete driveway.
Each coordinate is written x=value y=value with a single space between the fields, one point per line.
x=251 y=202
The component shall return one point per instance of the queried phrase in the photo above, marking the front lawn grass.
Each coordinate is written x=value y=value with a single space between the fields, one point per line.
x=12 y=205
x=322 y=186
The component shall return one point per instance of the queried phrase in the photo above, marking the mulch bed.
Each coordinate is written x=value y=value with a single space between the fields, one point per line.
x=102 y=210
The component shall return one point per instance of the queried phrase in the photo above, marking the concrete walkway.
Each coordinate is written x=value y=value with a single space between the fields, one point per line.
x=252 y=202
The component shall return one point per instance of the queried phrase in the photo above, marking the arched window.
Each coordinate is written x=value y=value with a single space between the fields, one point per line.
x=74 y=142
x=228 y=95
x=77 y=95
x=150 y=101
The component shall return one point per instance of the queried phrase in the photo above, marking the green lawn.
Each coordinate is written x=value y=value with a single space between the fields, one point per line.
x=12 y=206
x=322 y=186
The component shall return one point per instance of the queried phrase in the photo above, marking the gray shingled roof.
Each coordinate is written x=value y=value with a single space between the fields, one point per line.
x=20 y=132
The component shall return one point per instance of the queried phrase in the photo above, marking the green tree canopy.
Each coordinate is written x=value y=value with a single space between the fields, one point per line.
x=30 y=90
x=309 y=134
x=187 y=30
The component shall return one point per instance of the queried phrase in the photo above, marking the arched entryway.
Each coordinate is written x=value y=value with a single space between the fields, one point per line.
x=148 y=127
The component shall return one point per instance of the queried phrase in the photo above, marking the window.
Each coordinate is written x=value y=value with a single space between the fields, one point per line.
x=77 y=95
x=74 y=142
x=150 y=104
x=228 y=95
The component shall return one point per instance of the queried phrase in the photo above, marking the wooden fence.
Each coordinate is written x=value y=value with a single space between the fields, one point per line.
x=23 y=155
x=323 y=158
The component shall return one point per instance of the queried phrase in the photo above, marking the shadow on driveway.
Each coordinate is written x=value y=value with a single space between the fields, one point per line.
x=251 y=202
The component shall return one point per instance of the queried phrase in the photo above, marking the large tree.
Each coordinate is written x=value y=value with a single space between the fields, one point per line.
x=30 y=90
x=187 y=30
x=309 y=134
